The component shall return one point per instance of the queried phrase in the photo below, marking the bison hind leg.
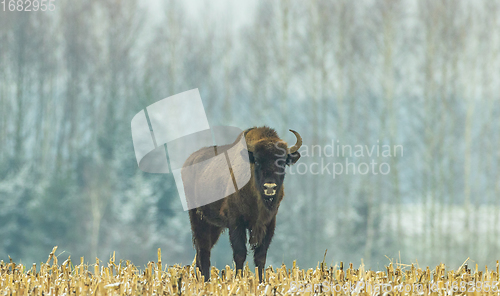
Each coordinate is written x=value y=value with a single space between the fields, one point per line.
x=205 y=235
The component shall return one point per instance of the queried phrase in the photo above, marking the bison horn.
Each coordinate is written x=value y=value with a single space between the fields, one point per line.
x=297 y=145
x=249 y=146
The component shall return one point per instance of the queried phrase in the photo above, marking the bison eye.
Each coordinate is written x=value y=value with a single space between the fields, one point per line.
x=257 y=163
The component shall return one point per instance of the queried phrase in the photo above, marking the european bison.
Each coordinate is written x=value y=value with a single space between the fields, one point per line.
x=253 y=206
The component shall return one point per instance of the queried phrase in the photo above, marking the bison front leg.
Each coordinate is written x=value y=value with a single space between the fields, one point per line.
x=238 y=238
x=260 y=251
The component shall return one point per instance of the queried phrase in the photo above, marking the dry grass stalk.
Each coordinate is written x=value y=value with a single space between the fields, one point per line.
x=124 y=278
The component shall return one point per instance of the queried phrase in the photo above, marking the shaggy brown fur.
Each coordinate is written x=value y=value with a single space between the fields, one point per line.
x=247 y=209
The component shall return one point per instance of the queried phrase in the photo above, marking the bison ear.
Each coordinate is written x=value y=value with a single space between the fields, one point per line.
x=292 y=158
x=247 y=155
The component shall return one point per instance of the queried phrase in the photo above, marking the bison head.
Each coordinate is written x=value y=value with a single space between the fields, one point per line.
x=269 y=155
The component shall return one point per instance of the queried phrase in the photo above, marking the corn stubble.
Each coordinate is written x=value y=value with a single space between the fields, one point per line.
x=123 y=278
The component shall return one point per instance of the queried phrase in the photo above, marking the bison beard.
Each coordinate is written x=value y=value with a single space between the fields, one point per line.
x=253 y=207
